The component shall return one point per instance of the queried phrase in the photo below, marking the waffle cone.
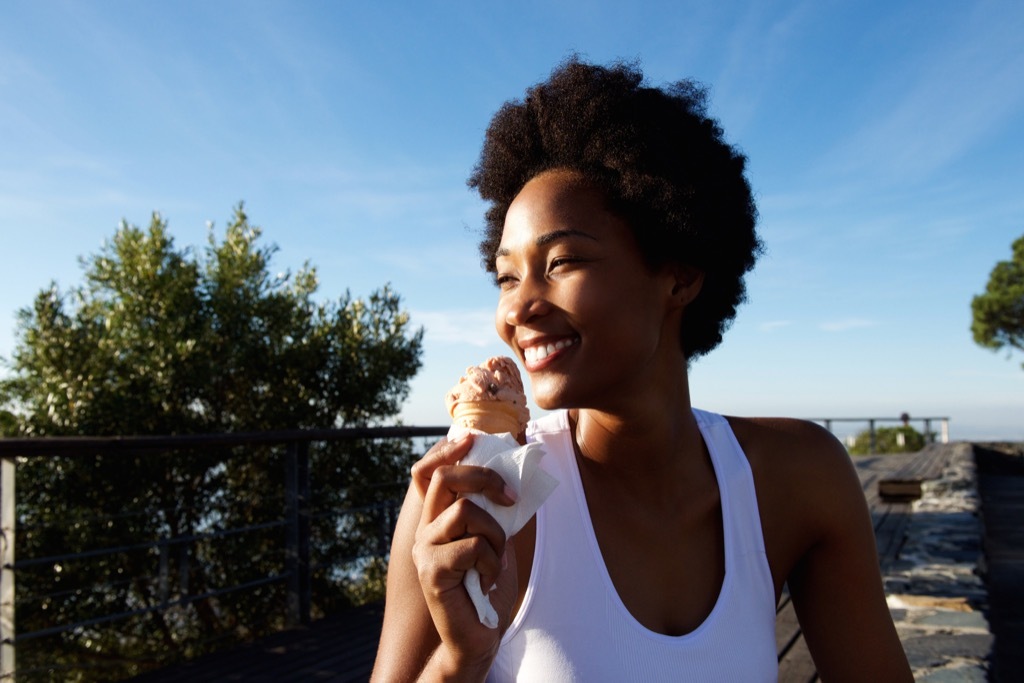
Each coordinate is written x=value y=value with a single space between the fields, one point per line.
x=491 y=417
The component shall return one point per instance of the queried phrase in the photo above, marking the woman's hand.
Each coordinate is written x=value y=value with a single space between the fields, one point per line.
x=452 y=536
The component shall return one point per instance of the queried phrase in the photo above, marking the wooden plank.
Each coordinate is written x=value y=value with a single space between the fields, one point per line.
x=797 y=666
x=900 y=489
x=890 y=534
x=905 y=483
x=787 y=628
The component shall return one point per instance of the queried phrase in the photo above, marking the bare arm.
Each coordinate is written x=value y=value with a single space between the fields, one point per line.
x=408 y=639
x=836 y=585
x=439 y=537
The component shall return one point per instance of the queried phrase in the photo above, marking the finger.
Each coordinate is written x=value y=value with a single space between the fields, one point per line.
x=444 y=452
x=443 y=566
x=448 y=483
x=487 y=581
x=463 y=518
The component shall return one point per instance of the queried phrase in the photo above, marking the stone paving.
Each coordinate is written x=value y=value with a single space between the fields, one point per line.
x=935 y=589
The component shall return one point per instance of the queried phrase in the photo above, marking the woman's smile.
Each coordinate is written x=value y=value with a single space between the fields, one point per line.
x=539 y=353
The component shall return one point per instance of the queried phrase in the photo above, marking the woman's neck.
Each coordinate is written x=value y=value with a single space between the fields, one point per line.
x=649 y=445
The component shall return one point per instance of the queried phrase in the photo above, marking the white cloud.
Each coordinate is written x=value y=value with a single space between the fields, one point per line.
x=457 y=261
x=474 y=327
x=772 y=325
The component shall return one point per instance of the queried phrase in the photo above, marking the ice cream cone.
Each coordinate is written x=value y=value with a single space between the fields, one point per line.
x=491 y=417
x=489 y=397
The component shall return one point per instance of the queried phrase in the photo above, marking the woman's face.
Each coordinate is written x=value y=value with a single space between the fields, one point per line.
x=589 y=320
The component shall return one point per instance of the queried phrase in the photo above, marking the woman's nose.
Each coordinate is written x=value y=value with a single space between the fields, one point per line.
x=525 y=303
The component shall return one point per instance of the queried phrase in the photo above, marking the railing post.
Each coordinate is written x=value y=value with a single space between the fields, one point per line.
x=165 y=583
x=7 y=529
x=184 y=571
x=297 y=540
x=871 y=435
x=383 y=528
x=928 y=436
x=945 y=430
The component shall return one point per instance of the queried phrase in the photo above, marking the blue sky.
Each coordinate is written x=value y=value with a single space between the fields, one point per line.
x=885 y=141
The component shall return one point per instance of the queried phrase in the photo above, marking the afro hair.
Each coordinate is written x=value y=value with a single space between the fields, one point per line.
x=660 y=161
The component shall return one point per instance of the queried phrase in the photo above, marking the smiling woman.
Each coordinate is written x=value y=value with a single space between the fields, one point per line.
x=619 y=231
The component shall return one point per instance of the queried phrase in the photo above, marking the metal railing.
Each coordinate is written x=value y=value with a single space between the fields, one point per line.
x=174 y=558
x=904 y=419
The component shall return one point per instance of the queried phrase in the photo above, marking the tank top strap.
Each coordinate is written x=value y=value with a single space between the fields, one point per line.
x=735 y=482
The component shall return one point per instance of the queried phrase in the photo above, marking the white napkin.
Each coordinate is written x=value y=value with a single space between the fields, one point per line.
x=519 y=466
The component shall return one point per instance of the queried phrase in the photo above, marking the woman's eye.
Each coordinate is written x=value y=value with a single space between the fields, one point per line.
x=562 y=261
x=504 y=281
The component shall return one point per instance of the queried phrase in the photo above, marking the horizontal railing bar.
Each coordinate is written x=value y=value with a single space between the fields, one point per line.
x=107 y=618
x=379 y=485
x=98 y=588
x=71 y=445
x=98 y=552
x=176 y=540
x=93 y=588
x=24 y=527
x=337 y=512
x=355 y=558
x=872 y=419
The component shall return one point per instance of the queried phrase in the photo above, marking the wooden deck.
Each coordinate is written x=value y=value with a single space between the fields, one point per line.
x=343 y=647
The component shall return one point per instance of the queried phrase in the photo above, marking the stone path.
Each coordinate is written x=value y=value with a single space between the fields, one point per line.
x=935 y=590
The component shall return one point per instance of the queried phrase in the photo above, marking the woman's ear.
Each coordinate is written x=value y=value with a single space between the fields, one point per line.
x=687 y=284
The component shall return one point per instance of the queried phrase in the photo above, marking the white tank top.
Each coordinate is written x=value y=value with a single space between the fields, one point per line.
x=572 y=626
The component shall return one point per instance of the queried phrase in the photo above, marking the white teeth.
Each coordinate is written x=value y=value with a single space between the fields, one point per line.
x=537 y=353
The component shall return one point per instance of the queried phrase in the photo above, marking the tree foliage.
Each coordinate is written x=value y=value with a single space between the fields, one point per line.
x=161 y=340
x=998 y=313
x=902 y=439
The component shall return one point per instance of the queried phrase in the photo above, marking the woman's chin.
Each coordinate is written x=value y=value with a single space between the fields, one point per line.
x=543 y=397
x=550 y=396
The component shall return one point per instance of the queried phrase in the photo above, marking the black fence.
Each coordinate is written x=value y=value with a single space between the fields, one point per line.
x=124 y=554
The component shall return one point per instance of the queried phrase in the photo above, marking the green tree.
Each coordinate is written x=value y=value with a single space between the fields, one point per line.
x=998 y=313
x=902 y=439
x=161 y=340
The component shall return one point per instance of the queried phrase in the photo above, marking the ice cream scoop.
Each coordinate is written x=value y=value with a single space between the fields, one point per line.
x=489 y=398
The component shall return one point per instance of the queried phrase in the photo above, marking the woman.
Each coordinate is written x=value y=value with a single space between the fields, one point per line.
x=619 y=231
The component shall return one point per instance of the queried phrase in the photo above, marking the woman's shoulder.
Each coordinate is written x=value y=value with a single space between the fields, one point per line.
x=803 y=474
x=790 y=445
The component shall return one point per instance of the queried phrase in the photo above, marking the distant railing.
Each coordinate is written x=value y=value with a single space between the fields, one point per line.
x=292 y=528
x=904 y=419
